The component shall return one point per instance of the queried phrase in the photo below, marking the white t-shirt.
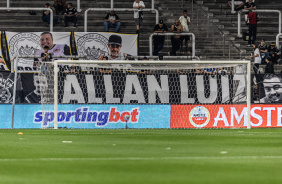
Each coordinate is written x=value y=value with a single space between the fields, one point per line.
x=136 y=13
x=184 y=24
x=258 y=58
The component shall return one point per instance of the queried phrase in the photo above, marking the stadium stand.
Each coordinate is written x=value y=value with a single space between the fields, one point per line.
x=207 y=46
x=267 y=27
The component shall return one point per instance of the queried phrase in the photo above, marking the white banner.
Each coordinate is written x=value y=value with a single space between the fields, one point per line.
x=107 y=46
x=33 y=43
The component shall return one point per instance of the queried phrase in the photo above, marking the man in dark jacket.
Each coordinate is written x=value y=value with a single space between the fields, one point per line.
x=273 y=53
x=269 y=68
x=159 y=40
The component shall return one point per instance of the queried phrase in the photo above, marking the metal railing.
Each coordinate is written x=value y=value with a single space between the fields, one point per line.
x=152 y=4
x=261 y=11
x=27 y=9
x=277 y=39
x=224 y=36
x=116 y=9
x=172 y=34
x=233 y=7
x=164 y=57
x=78 y=5
x=13 y=63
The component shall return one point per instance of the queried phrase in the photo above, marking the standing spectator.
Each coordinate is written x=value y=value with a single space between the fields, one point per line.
x=138 y=14
x=111 y=21
x=263 y=51
x=185 y=21
x=60 y=6
x=70 y=15
x=257 y=58
x=269 y=68
x=175 y=40
x=239 y=4
x=253 y=20
x=46 y=16
x=249 y=5
x=273 y=53
x=159 y=40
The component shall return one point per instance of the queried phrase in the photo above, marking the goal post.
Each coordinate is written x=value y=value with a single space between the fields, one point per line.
x=179 y=72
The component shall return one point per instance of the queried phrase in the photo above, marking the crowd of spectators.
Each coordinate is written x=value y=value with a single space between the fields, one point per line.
x=181 y=25
x=61 y=7
x=112 y=20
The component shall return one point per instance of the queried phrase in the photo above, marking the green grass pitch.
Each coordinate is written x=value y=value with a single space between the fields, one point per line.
x=141 y=156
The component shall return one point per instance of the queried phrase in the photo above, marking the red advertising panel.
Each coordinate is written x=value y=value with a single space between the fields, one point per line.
x=225 y=116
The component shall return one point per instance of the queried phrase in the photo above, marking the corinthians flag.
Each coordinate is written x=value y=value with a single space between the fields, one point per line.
x=90 y=44
x=32 y=43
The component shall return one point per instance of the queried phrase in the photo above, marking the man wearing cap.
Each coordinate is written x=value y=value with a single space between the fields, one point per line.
x=273 y=53
x=159 y=40
x=114 y=44
x=185 y=21
x=46 y=16
x=111 y=21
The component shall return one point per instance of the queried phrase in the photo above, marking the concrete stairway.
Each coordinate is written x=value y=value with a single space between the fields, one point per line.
x=267 y=27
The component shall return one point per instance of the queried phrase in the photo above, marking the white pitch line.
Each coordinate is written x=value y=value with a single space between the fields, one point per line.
x=139 y=158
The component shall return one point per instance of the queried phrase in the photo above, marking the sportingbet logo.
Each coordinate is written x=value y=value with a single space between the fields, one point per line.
x=83 y=115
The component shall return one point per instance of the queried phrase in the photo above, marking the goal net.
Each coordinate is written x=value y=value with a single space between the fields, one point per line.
x=145 y=94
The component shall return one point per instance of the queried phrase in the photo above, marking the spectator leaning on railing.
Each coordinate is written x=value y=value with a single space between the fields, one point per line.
x=175 y=40
x=111 y=21
x=46 y=16
x=159 y=40
x=138 y=14
x=185 y=21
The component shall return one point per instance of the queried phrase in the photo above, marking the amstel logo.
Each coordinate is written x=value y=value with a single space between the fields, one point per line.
x=199 y=116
